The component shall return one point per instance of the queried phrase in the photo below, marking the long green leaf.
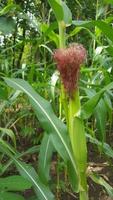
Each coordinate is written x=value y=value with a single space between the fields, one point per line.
x=31 y=150
x=46 y=150
x=49 y=121
x=43 y=192
x=29 y=173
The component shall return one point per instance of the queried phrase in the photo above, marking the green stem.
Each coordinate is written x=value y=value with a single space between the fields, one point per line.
x=63 y=96
x=62 y=29
x=78 y=142
x=83 y=195
x=75 y=125
x=96 y=18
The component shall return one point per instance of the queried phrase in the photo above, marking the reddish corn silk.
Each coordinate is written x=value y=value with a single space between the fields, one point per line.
x=68 y=63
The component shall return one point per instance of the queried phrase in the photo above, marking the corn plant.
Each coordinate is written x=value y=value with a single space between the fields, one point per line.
x=69 y=139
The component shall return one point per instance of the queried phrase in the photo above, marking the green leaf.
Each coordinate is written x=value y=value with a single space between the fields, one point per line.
x=73 y=174
x=7 y=25
x=3 y=94
x=89 y=107
x=30 y=174
x=7 y=146
x=42 y=191
x=101 y=118
x=10 y=8
x=110 y=50
x=108 y=1
x=8 y=132
x=49 y=121
x=105 y=147
x=75 y=31
x=10 y=196
x=46 y=150
x=61 y=11
x=48 y=31
x=108 y=102
x=67 y=15
x=79 y=143
x=31 y=150
x=99 y=180
x=56 y=6
x=14 y=183
x=103 y=26
x=72 y=177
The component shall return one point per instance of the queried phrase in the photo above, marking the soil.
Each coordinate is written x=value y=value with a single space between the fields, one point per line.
x=102 y=166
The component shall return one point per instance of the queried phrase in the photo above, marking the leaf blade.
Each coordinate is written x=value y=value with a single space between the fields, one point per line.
x=49 y=121
x=46 y=150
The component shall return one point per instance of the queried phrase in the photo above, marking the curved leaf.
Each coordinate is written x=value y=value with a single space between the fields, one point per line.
x=49 y=121
x=61 y=11
x=67 y=14
x=29 y=173
x=9 y=133
x=57 y=9
x=89 y=107
x=99 y=180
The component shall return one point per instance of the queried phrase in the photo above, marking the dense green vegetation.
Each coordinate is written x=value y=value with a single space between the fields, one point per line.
x=56 y=105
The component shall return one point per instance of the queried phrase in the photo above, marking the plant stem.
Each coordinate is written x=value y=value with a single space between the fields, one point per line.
x=78 y=142
x=96 y=18
x=62 y=29
x=63 y=96
x=75 y=125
